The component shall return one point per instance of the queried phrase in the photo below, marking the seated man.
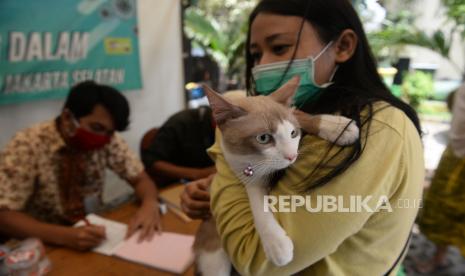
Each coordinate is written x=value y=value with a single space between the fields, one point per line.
x=179 y=150
x=53 y=172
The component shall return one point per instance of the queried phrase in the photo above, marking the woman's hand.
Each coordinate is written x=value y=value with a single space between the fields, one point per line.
x=195 y=200
x=147 y=220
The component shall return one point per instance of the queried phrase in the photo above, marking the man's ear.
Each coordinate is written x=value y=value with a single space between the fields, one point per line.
x=222 y=109
x=345 y=46
x=67 y=124
x=285 y=94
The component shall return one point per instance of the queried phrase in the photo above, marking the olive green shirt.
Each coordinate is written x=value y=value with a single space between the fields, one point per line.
x=332 y=243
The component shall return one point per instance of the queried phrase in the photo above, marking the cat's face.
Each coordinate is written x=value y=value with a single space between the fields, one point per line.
x=266 y=133
x=260 y=131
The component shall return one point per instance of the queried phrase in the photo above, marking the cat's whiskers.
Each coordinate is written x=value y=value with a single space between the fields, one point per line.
x=260 y=169
x=261 y=163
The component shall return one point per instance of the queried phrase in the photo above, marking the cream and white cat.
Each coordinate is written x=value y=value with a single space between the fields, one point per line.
x=260 y=135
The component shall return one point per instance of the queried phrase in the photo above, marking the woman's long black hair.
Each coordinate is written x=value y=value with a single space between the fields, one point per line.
x=357 y=84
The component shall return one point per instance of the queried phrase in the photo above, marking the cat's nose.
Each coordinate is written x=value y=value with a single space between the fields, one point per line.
x=291 y=157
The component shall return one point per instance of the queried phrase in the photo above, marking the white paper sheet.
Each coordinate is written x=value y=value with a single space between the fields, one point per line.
x=115 y=232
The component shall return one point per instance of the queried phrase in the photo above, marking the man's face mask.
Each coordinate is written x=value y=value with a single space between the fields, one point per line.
x=86 y=140
x=269 y=77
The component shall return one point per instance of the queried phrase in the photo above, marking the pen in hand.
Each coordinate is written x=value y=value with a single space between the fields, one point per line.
x=87 y=223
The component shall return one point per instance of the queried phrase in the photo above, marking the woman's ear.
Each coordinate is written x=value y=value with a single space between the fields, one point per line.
x=346 y=45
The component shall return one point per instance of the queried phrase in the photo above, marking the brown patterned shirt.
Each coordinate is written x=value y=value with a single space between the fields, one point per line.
x=31 y=163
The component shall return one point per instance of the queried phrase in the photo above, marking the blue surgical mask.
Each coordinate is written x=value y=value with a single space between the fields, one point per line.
x=269 y=77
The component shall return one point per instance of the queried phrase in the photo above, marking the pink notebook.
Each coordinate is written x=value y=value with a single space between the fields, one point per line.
x=169 y=251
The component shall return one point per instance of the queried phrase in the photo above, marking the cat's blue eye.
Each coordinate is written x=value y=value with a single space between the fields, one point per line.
x=264 y=138
x=295 y=133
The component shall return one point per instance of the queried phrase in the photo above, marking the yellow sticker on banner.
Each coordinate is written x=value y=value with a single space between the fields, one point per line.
x=118 y=45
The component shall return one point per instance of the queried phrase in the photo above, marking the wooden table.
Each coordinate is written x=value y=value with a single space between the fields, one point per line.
x=68 y=262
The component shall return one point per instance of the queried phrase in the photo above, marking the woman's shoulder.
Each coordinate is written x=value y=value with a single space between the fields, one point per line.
x=387 y=116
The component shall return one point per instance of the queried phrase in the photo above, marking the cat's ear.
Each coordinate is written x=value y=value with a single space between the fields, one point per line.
x=222 y=109
x=285 y=94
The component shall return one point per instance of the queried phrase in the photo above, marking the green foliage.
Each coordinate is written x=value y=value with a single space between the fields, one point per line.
x=417 y=86
x=220 y=28
x=435 y=110
x=455 y=11
x=395 y=30
x=399 y=30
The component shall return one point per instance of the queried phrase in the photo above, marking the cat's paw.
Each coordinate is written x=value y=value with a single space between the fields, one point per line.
x=279 y=249
x=341 y=130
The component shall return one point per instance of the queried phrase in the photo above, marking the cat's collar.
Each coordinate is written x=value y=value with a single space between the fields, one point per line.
x=248 y=171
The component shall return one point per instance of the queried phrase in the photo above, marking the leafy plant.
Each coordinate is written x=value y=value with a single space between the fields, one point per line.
x=455 y=11
x=417 y=86
x=220 y=27
x=400 y=30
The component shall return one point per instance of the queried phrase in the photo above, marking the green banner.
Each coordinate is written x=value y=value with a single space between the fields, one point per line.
x=47 y=46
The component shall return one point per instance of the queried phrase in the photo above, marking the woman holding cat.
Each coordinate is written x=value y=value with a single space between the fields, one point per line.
x=323 y=42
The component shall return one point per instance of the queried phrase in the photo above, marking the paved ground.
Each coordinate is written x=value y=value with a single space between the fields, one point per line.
x=422 y=249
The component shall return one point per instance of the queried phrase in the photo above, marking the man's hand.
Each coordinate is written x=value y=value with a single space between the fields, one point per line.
x=147 y=220
x=84 y=237
x=195 y=200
